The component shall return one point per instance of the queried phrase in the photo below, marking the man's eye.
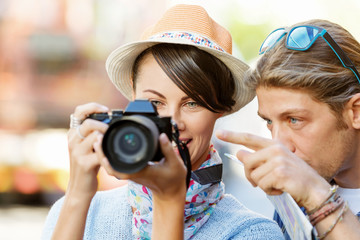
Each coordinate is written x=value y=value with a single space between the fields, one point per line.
x=293 y=120
x=268 y=121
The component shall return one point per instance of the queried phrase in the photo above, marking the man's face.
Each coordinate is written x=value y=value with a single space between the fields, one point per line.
x=308 y=128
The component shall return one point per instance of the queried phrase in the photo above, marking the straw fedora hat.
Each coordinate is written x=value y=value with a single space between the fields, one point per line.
x=181 y=24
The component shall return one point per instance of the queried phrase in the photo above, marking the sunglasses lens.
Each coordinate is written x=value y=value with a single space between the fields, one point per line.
x=271 y=40
x=301 y=38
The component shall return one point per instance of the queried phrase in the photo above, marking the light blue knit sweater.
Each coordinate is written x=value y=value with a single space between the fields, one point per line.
x=110 y=215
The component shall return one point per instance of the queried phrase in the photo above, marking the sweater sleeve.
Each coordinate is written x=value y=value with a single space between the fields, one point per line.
x=251 y=225
x=109 y=216
x=51 y=219
x=259 y=229
x=232 y=220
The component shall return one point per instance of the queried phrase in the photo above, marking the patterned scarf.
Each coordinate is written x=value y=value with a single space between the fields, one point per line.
x=199 y=204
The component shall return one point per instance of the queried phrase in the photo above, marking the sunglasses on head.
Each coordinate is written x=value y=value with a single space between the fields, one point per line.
x=301 y=38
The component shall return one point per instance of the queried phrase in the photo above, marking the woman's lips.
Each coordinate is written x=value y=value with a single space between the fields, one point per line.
x=184 y=141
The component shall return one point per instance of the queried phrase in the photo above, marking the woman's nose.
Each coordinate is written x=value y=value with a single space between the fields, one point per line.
x=177 y=117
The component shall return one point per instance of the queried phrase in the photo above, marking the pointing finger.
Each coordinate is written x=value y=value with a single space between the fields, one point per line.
x=246 y=139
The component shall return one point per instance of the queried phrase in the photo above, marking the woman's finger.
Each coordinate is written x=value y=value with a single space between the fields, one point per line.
x=105 y=162
x=101 y=156
x=90 y=125
x=79 y=134
x=168 y=150
x=82 y=111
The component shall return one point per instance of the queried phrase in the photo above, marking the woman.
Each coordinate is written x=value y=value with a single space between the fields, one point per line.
x=184 y=68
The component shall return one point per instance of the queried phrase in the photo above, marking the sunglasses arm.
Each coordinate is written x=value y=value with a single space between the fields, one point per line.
x=345 y=60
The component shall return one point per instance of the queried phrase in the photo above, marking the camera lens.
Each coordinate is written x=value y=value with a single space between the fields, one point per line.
x=130 y=143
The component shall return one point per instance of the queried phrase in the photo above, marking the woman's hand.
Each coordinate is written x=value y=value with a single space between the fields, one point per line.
x=84 y=164
x=275 y=169
x=84 y=167
x=166 y=179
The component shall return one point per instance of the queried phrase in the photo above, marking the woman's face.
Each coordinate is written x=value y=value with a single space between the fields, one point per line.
x=195 y=123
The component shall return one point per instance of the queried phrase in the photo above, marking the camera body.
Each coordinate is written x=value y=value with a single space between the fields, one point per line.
x=132 y=139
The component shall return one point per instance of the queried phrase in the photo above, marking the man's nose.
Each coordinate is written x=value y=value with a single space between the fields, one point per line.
x=283 y=135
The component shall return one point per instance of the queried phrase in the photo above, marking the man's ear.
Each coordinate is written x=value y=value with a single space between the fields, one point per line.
x=353 y=108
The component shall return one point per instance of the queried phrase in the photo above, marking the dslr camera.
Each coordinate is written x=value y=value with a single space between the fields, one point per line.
x=132 y=139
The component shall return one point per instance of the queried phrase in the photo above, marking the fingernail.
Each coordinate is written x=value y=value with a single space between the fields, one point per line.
x=219 y=133
x=95 y=145
x=98 y=142
x=163 y=138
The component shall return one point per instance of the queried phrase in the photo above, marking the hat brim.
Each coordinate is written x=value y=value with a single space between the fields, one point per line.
x=120 y=63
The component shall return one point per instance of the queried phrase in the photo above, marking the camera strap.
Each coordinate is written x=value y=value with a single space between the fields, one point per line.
x=212 y=174
x=184 y=153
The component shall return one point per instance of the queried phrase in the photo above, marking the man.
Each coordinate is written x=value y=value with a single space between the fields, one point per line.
x=309 y=94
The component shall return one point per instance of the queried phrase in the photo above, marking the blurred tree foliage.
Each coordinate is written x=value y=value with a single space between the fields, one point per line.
x=248 y=38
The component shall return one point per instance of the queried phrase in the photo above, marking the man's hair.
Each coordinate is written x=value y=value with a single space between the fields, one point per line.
x=200 y=75
x=317 y=71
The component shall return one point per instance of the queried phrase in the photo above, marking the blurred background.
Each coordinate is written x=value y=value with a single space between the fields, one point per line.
x=52 y=58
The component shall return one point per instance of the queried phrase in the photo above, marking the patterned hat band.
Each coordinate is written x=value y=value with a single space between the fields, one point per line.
x=194 y=38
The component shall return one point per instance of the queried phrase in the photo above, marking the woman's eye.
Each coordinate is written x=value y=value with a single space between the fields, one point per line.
x=156 y=103
x=192 y=104
x=268 y=121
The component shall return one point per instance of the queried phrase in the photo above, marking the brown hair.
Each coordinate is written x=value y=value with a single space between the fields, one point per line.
x=318 y=71
x=201 y=76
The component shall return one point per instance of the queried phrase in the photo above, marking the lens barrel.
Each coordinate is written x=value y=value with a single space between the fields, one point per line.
x=130 y=143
